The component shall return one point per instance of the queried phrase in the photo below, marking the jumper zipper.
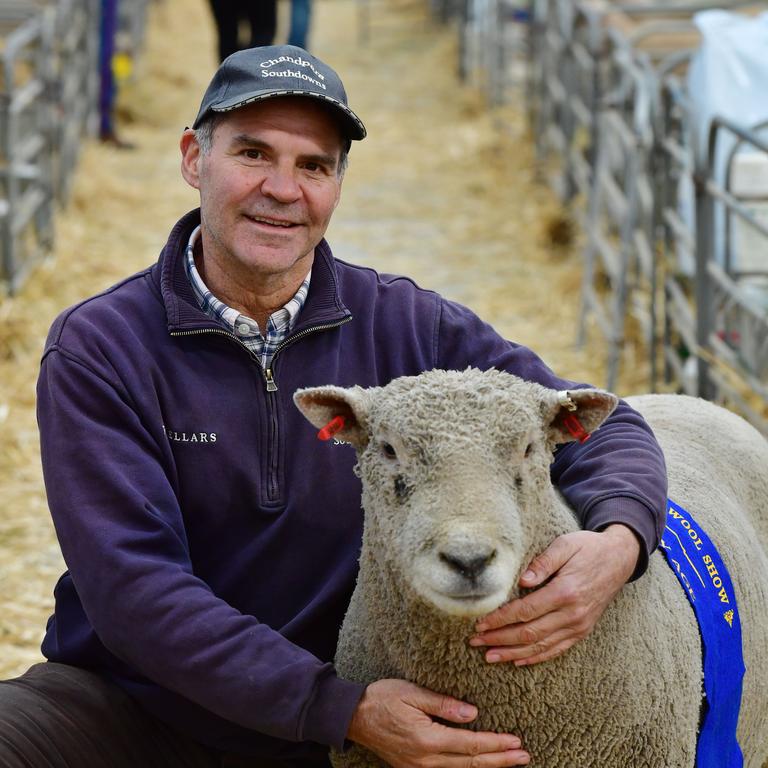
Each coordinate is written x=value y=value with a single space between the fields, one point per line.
x=272 y=485
x=269 y=377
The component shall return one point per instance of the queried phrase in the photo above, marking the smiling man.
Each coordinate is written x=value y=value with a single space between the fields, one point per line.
x=211 y=541
x=255 y=248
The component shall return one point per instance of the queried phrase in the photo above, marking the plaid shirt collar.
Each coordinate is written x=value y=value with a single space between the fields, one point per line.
x=279 y=324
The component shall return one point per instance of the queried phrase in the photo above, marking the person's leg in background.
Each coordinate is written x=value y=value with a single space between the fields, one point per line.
x=109 y=23
x=262 y=15
x=227 y=17
x=107 y=35
x=301 y=11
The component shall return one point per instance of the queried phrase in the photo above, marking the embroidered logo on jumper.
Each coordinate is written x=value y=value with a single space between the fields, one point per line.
x=189 y=437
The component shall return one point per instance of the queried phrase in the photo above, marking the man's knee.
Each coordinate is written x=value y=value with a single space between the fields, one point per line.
x=51 y=715
x=59 y=716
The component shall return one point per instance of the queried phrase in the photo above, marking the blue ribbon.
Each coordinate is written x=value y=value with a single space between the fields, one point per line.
x=705 y=579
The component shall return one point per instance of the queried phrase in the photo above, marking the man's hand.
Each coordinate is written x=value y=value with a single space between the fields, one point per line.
x=587 y=569
x=394 y=719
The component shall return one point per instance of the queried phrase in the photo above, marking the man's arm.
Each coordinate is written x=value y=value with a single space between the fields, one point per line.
x=110 y=488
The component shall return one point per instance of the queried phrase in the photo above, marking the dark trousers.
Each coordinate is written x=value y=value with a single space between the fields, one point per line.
x=57 y=716
x=261 y=16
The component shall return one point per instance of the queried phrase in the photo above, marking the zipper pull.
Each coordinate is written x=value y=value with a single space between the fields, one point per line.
x=271 y=386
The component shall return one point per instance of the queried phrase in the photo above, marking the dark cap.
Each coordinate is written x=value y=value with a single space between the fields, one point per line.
x=255 y=74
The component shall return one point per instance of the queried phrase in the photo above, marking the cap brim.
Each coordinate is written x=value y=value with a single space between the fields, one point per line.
x=354 y=125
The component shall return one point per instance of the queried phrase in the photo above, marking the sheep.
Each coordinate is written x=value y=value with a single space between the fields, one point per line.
x=455 y=464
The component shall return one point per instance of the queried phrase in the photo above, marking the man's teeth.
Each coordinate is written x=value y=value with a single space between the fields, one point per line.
x=271 y=222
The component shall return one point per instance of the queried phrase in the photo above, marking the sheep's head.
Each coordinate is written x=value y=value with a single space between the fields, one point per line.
x=455 y=467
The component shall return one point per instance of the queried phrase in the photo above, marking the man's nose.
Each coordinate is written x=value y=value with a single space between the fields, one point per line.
x=281 y=184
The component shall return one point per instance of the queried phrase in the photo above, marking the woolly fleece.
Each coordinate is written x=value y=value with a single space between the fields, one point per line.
x=457 y=463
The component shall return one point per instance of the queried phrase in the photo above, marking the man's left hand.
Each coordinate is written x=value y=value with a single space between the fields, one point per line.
x=586 y=570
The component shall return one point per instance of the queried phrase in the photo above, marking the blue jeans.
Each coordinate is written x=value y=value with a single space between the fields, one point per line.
x=300 y=17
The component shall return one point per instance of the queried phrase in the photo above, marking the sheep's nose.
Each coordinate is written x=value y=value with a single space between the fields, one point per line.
x=468 y=566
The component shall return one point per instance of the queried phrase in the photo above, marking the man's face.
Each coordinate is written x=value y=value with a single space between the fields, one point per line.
x=268 y=186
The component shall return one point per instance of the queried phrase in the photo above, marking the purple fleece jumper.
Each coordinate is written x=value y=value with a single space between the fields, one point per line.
x=211 y=539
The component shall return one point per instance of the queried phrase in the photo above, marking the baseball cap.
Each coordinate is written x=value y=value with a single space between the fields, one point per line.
x=254 y=74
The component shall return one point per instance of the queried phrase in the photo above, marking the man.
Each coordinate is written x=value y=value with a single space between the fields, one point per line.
x=211 y=540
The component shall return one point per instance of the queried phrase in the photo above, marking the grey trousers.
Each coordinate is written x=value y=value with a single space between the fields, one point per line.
x=57 y=716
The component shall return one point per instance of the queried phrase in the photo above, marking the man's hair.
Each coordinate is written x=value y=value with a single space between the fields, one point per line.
x=204 y=136
x=204 y=132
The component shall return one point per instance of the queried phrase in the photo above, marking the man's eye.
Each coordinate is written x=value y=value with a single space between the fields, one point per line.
x=253 y=154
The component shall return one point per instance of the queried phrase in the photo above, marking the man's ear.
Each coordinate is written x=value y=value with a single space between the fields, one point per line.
x=337 y=412
x=190 y=158
x=576 y=413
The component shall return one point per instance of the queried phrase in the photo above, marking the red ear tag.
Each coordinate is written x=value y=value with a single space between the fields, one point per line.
x=336 y=424
x=575 y=427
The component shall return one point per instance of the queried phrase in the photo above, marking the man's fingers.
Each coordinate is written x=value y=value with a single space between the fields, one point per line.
x=444 y=707
x=550 y=646
x=526 y=634
x=543 y=613
x=498 y=760
x=514 y=612
x=458 y=742
x=394 y=719
x=476 y=744
x=540 y=601
x=491 y=760
x=522 y=610
x=549 y=562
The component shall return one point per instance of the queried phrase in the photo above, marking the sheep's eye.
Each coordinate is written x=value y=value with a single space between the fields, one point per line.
x=388 y=451
x=528 y=449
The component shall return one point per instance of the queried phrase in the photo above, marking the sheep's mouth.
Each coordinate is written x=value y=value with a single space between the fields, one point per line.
x=468 y=598
x=474 y=603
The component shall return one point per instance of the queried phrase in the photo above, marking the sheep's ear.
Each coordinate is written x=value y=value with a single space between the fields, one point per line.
x=576 y=413
x=337 y=412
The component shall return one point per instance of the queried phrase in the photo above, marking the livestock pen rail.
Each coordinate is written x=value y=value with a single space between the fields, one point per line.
x=493 y=46
x=26 y=180
x=731 y=286
x=49 y=98
x=616 y=132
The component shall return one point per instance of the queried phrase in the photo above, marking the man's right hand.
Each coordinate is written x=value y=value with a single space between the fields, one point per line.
x=394 y=719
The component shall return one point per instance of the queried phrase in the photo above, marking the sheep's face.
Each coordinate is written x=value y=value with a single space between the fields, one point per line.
x=450 y=462
x=448 y=511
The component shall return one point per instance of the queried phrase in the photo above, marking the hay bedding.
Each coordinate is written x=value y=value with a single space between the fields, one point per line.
x=437 y=191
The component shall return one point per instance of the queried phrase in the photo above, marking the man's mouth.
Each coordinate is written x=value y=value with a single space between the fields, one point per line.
x=277 y=223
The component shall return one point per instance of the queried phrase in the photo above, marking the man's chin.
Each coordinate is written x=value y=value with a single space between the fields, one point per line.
x=276 y=254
